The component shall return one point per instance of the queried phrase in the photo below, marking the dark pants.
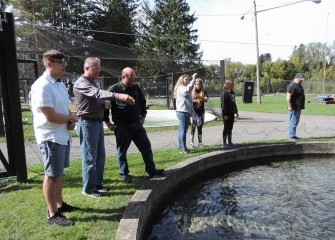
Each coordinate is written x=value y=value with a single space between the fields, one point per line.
x=197 y=122
x=228 y=128
x=125 y=133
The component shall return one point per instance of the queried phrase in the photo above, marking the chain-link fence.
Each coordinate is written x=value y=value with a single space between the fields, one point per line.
x=249 y=127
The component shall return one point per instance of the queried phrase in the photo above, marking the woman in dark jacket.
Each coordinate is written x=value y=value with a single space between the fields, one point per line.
x=229 y=109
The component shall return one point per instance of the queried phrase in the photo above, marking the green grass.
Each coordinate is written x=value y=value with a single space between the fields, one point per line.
x=277 y=104
x=23 y=209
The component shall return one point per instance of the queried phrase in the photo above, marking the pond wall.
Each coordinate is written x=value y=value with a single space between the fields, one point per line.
x=147 y=199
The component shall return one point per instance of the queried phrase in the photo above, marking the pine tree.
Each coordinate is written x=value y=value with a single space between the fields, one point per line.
x=115 y=22
x=167 y=39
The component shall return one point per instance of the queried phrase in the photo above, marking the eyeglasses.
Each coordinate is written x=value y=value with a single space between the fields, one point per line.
x=62 y=62
x=96 y=68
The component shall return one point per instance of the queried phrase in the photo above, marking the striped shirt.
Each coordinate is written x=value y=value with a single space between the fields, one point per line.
x=90 y=99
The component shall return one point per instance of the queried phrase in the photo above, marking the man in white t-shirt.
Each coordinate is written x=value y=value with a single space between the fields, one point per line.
x=52 y=121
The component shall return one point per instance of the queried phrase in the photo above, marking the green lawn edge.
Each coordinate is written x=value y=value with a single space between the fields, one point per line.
x=23 y=210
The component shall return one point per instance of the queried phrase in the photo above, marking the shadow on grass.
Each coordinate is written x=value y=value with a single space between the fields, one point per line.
x=110 y=215
x=14 y=187
x=102 y=211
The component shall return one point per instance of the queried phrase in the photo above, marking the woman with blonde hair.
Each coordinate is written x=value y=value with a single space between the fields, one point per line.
x=199 y=96
x=183 y=96
x=229 y=109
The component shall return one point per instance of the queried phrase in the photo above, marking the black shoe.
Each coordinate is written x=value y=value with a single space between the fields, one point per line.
x=67 y=208
x=184 y=150
x=60 y=220
x=102 y=189
x=94 y=194
x=157 y=172
x=126 y=178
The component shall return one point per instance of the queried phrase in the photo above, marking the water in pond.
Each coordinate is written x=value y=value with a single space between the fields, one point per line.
x=280 y=200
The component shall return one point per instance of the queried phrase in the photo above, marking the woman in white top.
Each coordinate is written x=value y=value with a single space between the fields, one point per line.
x=183 y=96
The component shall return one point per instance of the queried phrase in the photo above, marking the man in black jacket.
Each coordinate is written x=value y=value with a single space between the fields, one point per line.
x=128 y=123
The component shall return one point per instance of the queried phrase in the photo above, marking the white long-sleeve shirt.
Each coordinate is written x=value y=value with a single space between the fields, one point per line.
x=184 y=100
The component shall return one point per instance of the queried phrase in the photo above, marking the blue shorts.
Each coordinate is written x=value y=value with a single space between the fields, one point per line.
x=55 y=158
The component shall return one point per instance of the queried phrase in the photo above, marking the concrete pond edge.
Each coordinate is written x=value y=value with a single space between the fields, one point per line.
x=140 y=209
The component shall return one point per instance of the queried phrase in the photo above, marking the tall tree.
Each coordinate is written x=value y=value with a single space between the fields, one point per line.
x=116 y=22
x=167 y=40
x=298 y=56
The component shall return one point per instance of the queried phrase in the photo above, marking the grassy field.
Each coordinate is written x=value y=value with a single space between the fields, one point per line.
x=23 y=210
x=277 y=104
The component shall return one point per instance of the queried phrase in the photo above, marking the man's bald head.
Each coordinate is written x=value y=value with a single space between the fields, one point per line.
x=128 y=75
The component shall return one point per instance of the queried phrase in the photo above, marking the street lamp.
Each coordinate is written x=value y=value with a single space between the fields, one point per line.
x=257 y=45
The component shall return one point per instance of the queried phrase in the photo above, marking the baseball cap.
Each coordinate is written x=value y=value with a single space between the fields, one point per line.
x=299 y=76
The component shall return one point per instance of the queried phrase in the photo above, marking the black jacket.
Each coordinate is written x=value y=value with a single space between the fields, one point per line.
x=228 y=103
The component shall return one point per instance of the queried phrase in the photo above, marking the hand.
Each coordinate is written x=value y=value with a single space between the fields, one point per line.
x=194 y=75
x=71 y=125
x=142 y=119
x=236 y=114
x=108 y=104
x=73 y=118
x=126 y=98
x=111 y=126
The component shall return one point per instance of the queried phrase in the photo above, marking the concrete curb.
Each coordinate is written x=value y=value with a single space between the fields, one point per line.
x=146 y=200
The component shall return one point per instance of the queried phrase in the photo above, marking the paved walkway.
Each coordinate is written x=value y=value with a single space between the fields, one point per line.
x=249 y=127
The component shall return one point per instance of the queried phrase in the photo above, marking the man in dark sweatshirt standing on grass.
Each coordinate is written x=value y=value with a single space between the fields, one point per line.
x=128 y=123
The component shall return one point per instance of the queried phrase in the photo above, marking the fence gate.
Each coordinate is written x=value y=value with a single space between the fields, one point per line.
x=10 y=106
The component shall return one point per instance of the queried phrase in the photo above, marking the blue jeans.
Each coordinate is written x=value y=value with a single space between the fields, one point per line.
x=294 y=117
x=125 y=133
x=92 y=148
x=184 y=122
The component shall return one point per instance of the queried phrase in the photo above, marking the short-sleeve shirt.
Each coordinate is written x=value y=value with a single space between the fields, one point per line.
x=47 y=92
x=297 y=96
x=199 y=106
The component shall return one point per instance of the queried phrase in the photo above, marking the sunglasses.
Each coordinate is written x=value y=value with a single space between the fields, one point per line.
x=63 y=62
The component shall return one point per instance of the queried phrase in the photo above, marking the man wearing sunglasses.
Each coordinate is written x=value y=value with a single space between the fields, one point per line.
x=52 y=122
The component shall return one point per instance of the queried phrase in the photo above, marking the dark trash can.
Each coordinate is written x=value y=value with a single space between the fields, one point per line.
x=248 y=91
